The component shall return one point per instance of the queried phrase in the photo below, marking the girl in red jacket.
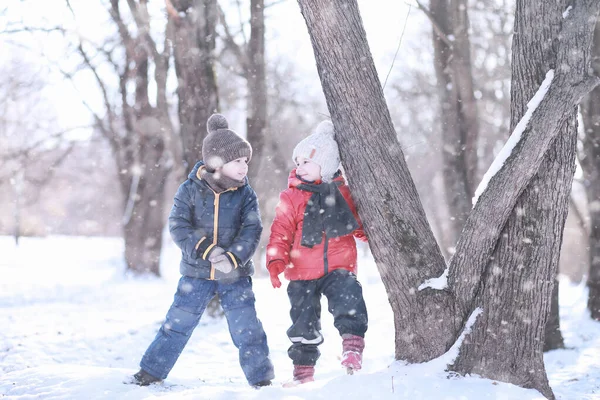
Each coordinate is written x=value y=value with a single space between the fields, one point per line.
x=312 y=243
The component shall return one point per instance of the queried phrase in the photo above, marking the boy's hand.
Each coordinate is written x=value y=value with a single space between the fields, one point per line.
x=275 y=268
x=215 y=254
x=222 y=263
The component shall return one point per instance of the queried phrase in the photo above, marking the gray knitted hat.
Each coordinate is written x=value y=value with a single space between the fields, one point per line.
x=322 y=149
x=222 y=145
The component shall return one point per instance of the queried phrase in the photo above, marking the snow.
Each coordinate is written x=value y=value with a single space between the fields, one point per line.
x=515 y=137
x=439 y=283
x=75 y=327
x=567 y=12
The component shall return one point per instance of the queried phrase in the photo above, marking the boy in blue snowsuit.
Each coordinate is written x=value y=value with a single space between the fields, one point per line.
x=215 y=221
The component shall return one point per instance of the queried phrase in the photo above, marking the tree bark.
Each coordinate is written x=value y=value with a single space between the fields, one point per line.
x=553 y=336
x=428 y=321
x=459 y=120
x=590 y=162
x=256 y=122
x=194 y=35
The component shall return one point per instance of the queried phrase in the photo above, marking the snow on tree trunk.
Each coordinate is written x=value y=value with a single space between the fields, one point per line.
x=590 y=162
x=193 y=31
x=458 y=110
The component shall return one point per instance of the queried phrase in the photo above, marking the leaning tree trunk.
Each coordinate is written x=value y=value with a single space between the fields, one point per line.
x=428 y=320
x=193 y=50
x=590 y=162
x=400 y=237
x=459 y=123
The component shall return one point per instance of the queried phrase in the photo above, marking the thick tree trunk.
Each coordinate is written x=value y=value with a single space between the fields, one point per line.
x=193 y=47
x=256 y=122
x=459 y=121
x=590 y=162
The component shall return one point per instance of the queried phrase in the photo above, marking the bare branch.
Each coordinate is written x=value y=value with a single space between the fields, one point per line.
x=239 y=8
x=436 y=26
x=31 y=29
x=277 y=2
x=231 y=44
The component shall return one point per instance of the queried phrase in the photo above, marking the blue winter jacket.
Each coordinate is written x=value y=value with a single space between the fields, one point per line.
x=202 y=219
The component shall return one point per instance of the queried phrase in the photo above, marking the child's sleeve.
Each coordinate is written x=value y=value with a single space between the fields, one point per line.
x=184 y=234
x=360 y=232
x=246 y=241
x=282 y=231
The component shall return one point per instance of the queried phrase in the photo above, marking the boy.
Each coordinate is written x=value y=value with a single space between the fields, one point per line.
x=215 y=221
x=312 y=243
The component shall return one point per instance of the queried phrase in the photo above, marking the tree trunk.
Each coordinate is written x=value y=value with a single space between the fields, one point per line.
x=590 y=162
x=459 y=121
x=553 y=337
x=256 y=122
x=194 y=35
x=428 y=320
x=144 y=215
x=139 y=147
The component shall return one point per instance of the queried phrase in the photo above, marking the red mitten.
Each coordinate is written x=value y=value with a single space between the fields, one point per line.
x=275 y=268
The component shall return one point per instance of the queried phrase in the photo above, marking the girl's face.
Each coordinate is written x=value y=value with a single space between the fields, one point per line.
x=307 y=170
x=236 y=169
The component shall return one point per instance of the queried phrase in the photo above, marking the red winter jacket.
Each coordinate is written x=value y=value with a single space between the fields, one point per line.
x=286 y=254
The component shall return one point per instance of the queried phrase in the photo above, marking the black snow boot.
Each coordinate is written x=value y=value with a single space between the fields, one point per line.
x=260 y=384
x=142 y=378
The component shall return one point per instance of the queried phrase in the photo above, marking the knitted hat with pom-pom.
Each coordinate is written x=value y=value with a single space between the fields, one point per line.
x=322 y=149
x=222 y=145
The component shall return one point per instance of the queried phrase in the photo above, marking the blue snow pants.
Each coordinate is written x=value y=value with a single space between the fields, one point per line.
x=191 y=299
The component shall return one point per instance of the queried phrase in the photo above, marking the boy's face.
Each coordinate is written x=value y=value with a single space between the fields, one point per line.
x=307 y=170
x=236 y=169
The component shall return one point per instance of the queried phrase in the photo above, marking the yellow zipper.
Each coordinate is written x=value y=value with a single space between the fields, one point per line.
x=216 y=224
x=215 y=228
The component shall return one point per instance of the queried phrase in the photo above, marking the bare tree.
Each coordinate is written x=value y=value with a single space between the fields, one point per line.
x=26 y=143
x=192 y=27
x=137 y=131
x=590 y=162
x=459 y=118
x=427 y=320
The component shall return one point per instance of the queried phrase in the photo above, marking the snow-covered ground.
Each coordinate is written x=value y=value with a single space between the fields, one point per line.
x=74 y=327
